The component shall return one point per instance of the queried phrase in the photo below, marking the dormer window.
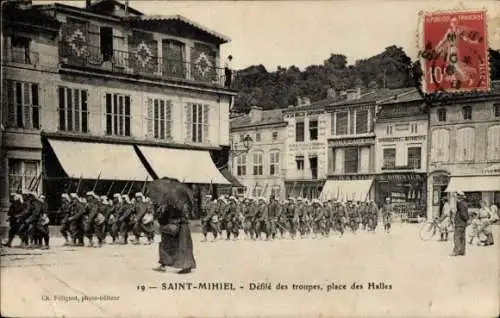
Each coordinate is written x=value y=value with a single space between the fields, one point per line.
x=441 y=114
x=467 y=112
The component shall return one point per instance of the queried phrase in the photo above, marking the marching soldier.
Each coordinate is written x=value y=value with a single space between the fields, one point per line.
x=76 y=219
x=249 y=213
x=15 y=210
x=293 y=217
x=125 y=218
x=372 y=216
x=92 y=211
x=231 y=218
x=339 y=217
x=114 y=216
x=261 y=219
x=273 y=215
x=64 y=212
x=283 y=219
x=144 y=217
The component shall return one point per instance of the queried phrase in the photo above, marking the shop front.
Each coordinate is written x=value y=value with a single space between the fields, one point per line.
x=407 y=191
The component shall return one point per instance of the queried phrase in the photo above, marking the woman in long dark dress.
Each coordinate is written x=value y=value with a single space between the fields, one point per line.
x=176 y=250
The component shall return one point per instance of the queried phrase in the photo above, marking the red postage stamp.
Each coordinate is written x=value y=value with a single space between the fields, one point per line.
x=455 y=52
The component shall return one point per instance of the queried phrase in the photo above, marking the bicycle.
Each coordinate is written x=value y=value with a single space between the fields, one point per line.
x=429 y=228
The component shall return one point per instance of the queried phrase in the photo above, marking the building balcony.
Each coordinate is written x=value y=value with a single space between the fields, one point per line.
x=310 y=174
x=147 y=66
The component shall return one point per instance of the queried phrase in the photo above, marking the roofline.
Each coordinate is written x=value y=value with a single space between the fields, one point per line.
x=220 y=36
x=67 y=8
x=247 y=127
x=133 y=10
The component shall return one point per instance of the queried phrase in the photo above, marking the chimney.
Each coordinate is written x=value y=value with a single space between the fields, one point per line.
x=331 y=93
x=88 y=3
x=126 y=7
x=255 y=114
x=299 y=101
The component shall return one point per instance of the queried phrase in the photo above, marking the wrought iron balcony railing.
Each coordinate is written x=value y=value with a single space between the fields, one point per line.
x=145 y=65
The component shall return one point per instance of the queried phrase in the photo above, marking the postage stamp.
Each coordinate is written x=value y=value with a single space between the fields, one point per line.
x=454 y=52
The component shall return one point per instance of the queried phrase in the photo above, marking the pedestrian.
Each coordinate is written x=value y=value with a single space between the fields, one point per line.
x=176 y=246
x=15 y=210
x=461 y=219
x=486 y=216
x=228 y=72
x=387 y=211
x=446 y=220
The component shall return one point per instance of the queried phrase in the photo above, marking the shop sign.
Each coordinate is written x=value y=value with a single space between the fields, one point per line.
x=350 y=142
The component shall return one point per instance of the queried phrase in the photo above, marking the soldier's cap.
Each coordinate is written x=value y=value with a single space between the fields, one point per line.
x=103 y=197
x=208 y=196
x=233 y=198
x=387 y=199
x=73 y=195
x=104 y=201
x=299 y=199
x=215 y=201
x=18 y=197
x=139 y=194
x=316 y=201
x=13 y=194
x=42 y=197
x=116 y=195
x=147 y=199
x=82 y=200
x=460 y=194
x=65 y=196
x=25 y=192
x=92 y=194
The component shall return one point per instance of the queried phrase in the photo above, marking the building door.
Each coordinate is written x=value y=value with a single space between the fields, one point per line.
x=107 y=43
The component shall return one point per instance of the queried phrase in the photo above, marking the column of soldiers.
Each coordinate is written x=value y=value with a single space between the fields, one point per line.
x=91 y=217
x=295 y=217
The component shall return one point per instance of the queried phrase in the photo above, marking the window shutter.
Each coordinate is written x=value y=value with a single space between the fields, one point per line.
x=149 y=117
x=27 y=105
x=187 y=122
x=168 y=120
x=77 y=109
x=206 y=121
x=11 y=115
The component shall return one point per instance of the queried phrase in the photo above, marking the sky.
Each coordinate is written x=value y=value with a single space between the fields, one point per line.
x=301 y=33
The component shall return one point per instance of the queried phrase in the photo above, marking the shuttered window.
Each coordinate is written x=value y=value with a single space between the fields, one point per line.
x=493 y=148
x=342 y=123
x=440 y=145
x=274 y=163
x=23 y=105
x=73 y=109
x=197 y=119
x=258 y=164
x=465 y=144
x=118 y=115
x=159 y=118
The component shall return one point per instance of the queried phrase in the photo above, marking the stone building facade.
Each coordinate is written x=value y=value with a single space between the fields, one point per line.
x=106 y=92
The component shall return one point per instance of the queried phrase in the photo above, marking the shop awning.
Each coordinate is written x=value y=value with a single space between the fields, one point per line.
x=185 y=165
x=471 y=184
x=344 y=190
x=229 y=177
x=92 y=160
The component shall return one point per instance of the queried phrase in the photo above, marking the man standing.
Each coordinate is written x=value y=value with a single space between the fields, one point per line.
x=228 y=72
x=387 y=211
x=15 y=209
x=461 y=218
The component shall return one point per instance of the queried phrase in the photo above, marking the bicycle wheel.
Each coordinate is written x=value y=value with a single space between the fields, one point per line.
x=427 y=230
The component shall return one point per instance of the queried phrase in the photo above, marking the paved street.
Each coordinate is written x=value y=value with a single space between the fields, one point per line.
x=423 y=279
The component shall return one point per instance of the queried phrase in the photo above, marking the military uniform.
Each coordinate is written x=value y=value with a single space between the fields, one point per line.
x=273 y=215
x=15 y=210
x=64 y=213
x=126 y=220
x=76 y=220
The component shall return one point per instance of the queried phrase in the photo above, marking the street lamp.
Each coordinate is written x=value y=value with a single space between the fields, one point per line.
x=243 y=147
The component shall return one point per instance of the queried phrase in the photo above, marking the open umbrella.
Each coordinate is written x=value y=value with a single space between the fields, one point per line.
x=170 y=194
